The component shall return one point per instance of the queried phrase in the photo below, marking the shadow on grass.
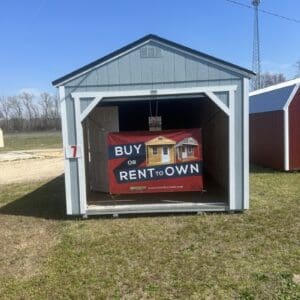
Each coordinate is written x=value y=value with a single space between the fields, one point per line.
x=259 y=169
x=48 y=202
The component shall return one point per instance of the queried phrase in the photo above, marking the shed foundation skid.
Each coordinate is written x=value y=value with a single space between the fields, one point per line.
x=187 y=89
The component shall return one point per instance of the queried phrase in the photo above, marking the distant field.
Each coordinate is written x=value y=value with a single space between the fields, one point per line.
x=32 y=140
x=254 y=255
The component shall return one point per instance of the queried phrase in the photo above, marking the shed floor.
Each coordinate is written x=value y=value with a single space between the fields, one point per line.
x=214 y=198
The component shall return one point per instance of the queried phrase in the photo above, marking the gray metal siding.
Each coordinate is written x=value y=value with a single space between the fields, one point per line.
x=172 y=70
x=173 y=67
x=84 y=103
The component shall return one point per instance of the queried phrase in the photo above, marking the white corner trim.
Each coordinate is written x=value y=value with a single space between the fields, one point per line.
x=80 y=160
x=98 y=96
x=292 y=95
x=218 y=102
x=287 y=129
x=65 y=145
x=209 y=91
x=232 y=198
x=246 y=142
x=276 y=87
x=286 y=139
x=90 y=107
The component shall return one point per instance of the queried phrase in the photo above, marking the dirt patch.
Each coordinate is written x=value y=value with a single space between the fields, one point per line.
x=28 y=166
x=30 y=154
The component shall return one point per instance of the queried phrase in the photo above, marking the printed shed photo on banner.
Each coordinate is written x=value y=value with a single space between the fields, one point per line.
x=154 y=162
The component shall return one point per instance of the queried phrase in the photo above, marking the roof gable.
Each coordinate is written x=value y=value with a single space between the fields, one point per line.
x=270 y=100
x=160 y=140
x=163 y=42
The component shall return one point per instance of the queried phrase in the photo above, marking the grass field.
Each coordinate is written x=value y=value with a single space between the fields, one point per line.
x=32 y=140
x=254 y=255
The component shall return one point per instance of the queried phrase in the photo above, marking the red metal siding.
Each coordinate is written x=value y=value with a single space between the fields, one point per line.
x=267 y=139
x=294 y=132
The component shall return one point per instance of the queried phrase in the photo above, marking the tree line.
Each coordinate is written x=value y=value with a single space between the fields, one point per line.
x=268 y=78
x=26 y=112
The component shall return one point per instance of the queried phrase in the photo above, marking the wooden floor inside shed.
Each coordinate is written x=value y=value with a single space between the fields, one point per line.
x=214 y=197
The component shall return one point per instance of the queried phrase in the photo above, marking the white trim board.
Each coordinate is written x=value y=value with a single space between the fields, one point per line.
x=81 y=159
x=276 y=87
x=155 y=208
x=98 y=96
x=232 y=199
x=246 y=141
x=287 y=128
x=65 y=145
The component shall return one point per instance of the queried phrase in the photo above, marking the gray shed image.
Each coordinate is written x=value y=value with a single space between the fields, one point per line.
x=188 y=89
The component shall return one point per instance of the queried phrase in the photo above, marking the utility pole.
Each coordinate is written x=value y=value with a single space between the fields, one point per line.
x=256 y=81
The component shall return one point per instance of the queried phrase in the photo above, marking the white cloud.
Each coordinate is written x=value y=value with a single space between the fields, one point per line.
x=288 y=69
x=36 y=92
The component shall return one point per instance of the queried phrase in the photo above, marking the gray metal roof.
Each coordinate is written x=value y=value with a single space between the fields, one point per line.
x=272 y=98
x=187 y=141
x=270 y=101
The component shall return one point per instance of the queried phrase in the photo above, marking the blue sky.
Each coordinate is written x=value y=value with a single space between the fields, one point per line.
x=42 y=40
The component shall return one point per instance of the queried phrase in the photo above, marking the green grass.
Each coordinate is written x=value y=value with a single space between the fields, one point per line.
x=253 y=255
x=32 y=140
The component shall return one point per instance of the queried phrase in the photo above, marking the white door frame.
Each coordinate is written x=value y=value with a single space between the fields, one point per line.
x=209 y=91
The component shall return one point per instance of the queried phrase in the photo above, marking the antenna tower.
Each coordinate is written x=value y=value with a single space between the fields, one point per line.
x=256 y=81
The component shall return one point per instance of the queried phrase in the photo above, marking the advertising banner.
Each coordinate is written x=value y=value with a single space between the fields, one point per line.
x=155 y=162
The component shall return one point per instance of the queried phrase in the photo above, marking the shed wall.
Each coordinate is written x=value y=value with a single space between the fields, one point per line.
x=267 y=139
x=173 y=70
x=294 y=132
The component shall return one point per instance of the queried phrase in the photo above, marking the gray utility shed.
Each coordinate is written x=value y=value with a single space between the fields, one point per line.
x=190 y=89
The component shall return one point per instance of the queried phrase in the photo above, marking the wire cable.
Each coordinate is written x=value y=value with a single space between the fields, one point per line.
x=264 y=11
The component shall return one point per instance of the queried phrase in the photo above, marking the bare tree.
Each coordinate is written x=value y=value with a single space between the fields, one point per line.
x=297 y=69
x=46 y=105
x=24 y=113
x=268 y=79
x=56 y=104
x=27 y=100
x=5 y=110
x=16 y=109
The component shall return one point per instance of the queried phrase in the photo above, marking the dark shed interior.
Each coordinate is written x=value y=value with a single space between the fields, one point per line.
x=178 y=113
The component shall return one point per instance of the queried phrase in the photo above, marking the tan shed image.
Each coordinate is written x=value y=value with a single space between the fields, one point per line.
x=187 y=149
x=160 y=151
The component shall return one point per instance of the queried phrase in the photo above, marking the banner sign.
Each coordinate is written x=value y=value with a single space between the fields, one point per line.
x=154 y=162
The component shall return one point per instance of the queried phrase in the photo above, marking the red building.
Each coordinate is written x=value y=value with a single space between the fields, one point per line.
x=275 y=126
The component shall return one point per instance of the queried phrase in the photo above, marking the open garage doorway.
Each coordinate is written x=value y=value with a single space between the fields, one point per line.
x=177 y=112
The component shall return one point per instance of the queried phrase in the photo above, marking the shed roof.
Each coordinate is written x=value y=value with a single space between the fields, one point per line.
x=243 y=71
x=187 y=141
x=272 y=98
x=160 y=140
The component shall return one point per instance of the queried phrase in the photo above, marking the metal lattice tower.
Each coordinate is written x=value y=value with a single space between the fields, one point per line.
x=256 y=81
